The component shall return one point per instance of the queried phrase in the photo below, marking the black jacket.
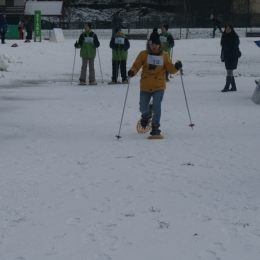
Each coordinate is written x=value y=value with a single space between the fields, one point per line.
x=230 y=50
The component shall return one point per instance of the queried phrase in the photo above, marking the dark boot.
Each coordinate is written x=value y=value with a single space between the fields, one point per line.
x=155 y=130
x=228 y=82
x=145 y=121
x=233 y=84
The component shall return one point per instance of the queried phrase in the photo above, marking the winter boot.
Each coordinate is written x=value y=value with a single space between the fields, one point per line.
x=155 y=130
x=82 y=82
x=228 y=81
x=145 y=121
x=233 y=84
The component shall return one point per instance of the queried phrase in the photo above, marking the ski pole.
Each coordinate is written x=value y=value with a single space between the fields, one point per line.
x=118 y=136
x=73 y=65
x=191 y=124
x=171 y=60
x=100 y=66
x=117 y=65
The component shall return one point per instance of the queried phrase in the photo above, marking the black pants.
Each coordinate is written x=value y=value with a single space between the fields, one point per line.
x=29 y=35
x=217 y=26
x=3 y=37
x=115 y=68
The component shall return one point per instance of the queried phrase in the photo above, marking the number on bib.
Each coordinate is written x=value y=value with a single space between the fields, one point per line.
x=163 y=39
x=119 y=40
x=155 y=60
x=88 y=39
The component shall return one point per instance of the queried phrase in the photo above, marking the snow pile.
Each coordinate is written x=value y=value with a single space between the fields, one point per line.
x=4 y=60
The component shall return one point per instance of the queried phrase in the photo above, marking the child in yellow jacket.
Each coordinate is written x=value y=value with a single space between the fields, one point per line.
x=154 y=62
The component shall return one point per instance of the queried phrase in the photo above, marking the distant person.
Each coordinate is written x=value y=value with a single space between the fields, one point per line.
x=3 y=27
x=116 y=22
x=230 y=54
x=29 y=30
x=168 y=43
x=88 y=43
x=119 y=45
x=21 y=29
x=216 y=21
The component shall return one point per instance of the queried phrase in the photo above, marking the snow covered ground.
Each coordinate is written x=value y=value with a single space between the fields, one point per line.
x=70 y=190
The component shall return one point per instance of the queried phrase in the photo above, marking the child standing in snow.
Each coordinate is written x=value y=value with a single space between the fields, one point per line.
x=167 y=41
x=154 y=62
x=119 y=45
x=88 y=42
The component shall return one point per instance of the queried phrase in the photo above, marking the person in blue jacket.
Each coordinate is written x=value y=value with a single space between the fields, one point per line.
x=3 y=27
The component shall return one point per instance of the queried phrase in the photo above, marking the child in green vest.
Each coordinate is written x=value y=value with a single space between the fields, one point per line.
x=88 y=42
x=167 y=41
x=119 y=45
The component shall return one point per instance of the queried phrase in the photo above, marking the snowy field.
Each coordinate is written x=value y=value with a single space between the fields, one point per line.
x=69 y=190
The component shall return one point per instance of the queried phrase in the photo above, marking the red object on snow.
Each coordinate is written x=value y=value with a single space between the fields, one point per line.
x=15 y=45
x=47 y=39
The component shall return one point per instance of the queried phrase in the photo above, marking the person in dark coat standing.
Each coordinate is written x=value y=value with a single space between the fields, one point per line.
x=29 y=30
x=230 y=54
x=3 y=27
x=116 y=22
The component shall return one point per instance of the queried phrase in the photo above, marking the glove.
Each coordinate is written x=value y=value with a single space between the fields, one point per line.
x=125 y=48
x=178 y=65
x=76 y=45
x=130 y=73
x=96 y=43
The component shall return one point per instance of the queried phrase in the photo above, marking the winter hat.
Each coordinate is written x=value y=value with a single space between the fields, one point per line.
x=89 y=25
x=166 y=26
x=154 y=37
x=117 y=29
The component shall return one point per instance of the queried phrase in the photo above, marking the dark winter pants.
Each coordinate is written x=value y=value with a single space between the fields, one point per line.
x=84 y=66
x=115 y=68
x=215 y=28
x=3 y=37
x=145 y=98
x=29 y=35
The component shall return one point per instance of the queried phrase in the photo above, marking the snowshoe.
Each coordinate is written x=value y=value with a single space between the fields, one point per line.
x=155 y=133
x=112 y=82
x=144 y=124
x=82 y=82
x=125 y=81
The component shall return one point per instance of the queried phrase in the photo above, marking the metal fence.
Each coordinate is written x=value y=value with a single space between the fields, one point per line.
x=177 y=22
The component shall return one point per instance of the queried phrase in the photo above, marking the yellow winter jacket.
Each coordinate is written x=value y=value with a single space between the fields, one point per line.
x=153 y=77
